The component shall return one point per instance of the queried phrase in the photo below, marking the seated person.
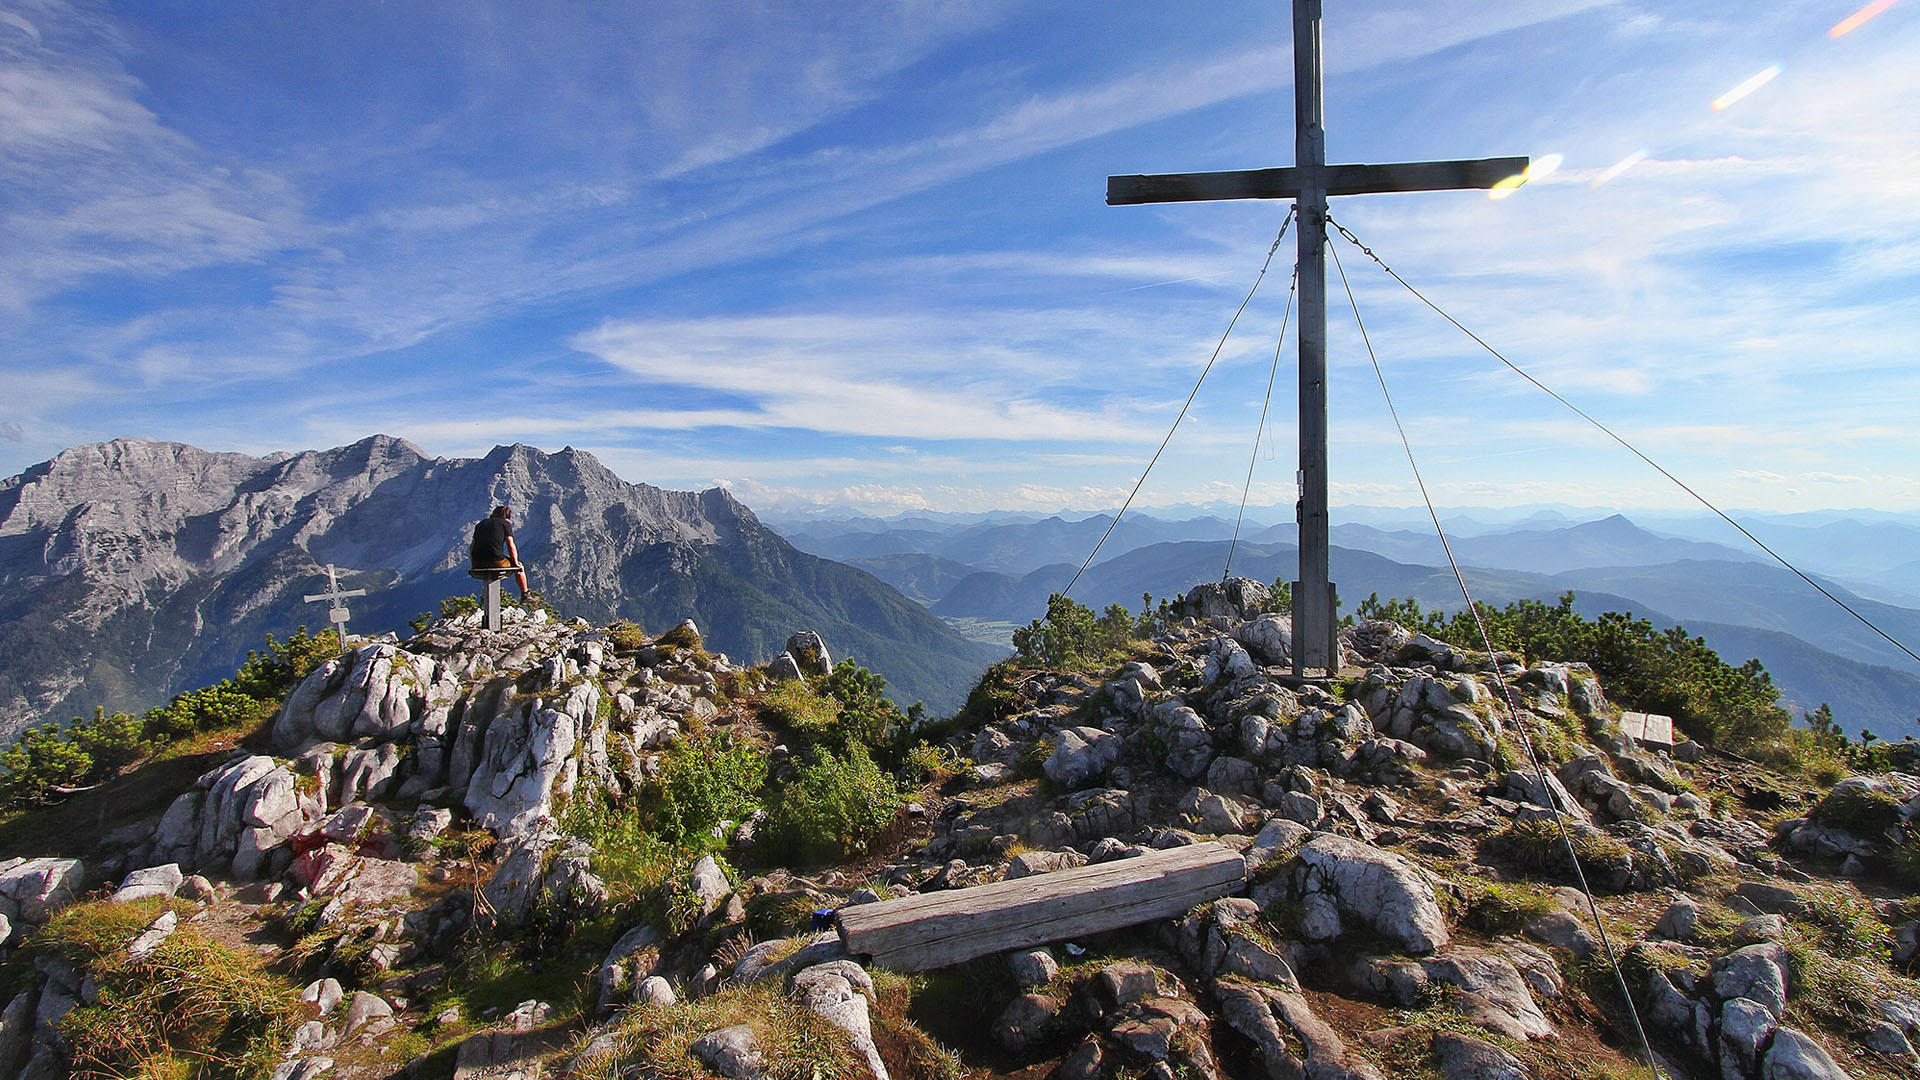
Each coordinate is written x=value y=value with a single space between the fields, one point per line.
x=493 y=546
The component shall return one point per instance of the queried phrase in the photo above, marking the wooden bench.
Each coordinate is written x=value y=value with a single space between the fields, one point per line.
x=931 y=930
x=493 y=576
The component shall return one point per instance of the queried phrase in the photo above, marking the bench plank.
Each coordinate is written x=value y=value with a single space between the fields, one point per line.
x=915 y=933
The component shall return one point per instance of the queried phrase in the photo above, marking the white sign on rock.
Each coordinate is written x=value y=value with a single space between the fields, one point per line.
x=1649 y=729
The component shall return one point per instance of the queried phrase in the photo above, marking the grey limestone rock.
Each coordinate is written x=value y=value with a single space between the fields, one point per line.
x=1268 y=638
x=1745 y=1027
x=1463 y=1057
x=1290 y=1040
x=162 y=880
x=1680 y=921
x=1236 y=598
x=1795 y=1056
x=809 y=652
x=32 y=890
x=1033 y=967
x=1081 y=755
x=1028 y=863
x=1757 y=972
x=1375 y=887
x=526 y=757
x=1025 y=1020
x=837 y=991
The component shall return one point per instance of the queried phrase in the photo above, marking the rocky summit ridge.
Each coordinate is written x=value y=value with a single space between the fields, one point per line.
x=407 y=837
x=132 y=570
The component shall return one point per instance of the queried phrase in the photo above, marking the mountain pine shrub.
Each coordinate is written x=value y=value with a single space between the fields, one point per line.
x=831 y=809
x=48 y=760
x=1071 y=637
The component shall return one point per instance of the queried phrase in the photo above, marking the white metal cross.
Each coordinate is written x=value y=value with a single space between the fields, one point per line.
x=336 y=598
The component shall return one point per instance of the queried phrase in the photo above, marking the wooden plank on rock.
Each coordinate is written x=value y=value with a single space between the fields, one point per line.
x=915 y=933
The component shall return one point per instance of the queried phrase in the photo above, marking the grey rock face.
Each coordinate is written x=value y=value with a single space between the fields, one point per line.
x=33 y=890
x=1795 y=1056
x=1375 y=887
x=809 y=652
x=837 y=991
x=1080 y=755
x=163 y=880
x=1757 y=972
x=1268 y=638
x=1463 y=1057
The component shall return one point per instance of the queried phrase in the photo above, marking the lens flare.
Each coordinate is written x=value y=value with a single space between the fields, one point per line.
x=1759 y=80
x=1544 y=166
x=1852 y=22
x=1613 y=171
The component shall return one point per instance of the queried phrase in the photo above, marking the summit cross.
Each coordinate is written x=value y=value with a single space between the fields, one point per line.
x=1309 y=182
x=336 y=598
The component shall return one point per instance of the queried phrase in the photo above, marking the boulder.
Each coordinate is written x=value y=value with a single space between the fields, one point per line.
x=1081 y=755
x=837 y=992
x=1032 y=967
x=809 y=652
x=1795 y=1056
x=1463 y=1057
x=33 y=890
x=1267 y=638
x=162 y=880
x=1236 y=598
x=1374 y=887
x=1290 y=1040
x=526 y=757
x=1757 y=972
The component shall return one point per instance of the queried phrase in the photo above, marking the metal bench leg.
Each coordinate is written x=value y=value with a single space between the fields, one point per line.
x=493 y=604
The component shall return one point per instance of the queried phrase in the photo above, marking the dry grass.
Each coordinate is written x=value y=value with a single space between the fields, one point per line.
x=795 y=1044
x=191 y=1007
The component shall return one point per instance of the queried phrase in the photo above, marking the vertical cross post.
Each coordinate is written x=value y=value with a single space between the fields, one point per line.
x=1314 y=643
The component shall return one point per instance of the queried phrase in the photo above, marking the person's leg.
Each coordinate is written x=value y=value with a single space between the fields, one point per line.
x=520 y=579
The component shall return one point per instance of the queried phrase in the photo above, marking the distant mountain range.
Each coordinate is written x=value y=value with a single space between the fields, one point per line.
x=1742 y=603
x=132 y=570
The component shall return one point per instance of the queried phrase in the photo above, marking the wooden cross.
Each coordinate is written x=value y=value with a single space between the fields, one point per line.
x=336 y=601
x=1309 y=182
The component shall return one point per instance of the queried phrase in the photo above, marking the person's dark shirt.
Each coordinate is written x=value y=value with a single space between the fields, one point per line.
x=490 y=541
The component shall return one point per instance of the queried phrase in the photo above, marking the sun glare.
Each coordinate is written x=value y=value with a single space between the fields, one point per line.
x=1759 y=80
x=1543 y=166
x=1852 y=22
x=1613 y=171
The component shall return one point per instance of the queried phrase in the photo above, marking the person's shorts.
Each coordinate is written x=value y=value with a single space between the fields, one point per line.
x=498 y=564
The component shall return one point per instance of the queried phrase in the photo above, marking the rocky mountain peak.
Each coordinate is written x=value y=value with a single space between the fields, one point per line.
x=1400 y=901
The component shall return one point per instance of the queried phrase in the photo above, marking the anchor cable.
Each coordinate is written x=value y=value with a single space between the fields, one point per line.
x=1506 y=691
x=1265 y=402
x=1609 y=433
x=1281 y=235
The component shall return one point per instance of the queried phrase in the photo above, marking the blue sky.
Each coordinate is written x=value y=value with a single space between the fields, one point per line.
x=857 y=254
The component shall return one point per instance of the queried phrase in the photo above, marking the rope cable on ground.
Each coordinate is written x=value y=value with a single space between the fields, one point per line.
x=1506 y=691
x=1609 y=433
x=1227 y=570
x=1137 y=484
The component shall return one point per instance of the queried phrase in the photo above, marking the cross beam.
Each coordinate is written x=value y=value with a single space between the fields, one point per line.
x=1309 y=182
x=1287 y=183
